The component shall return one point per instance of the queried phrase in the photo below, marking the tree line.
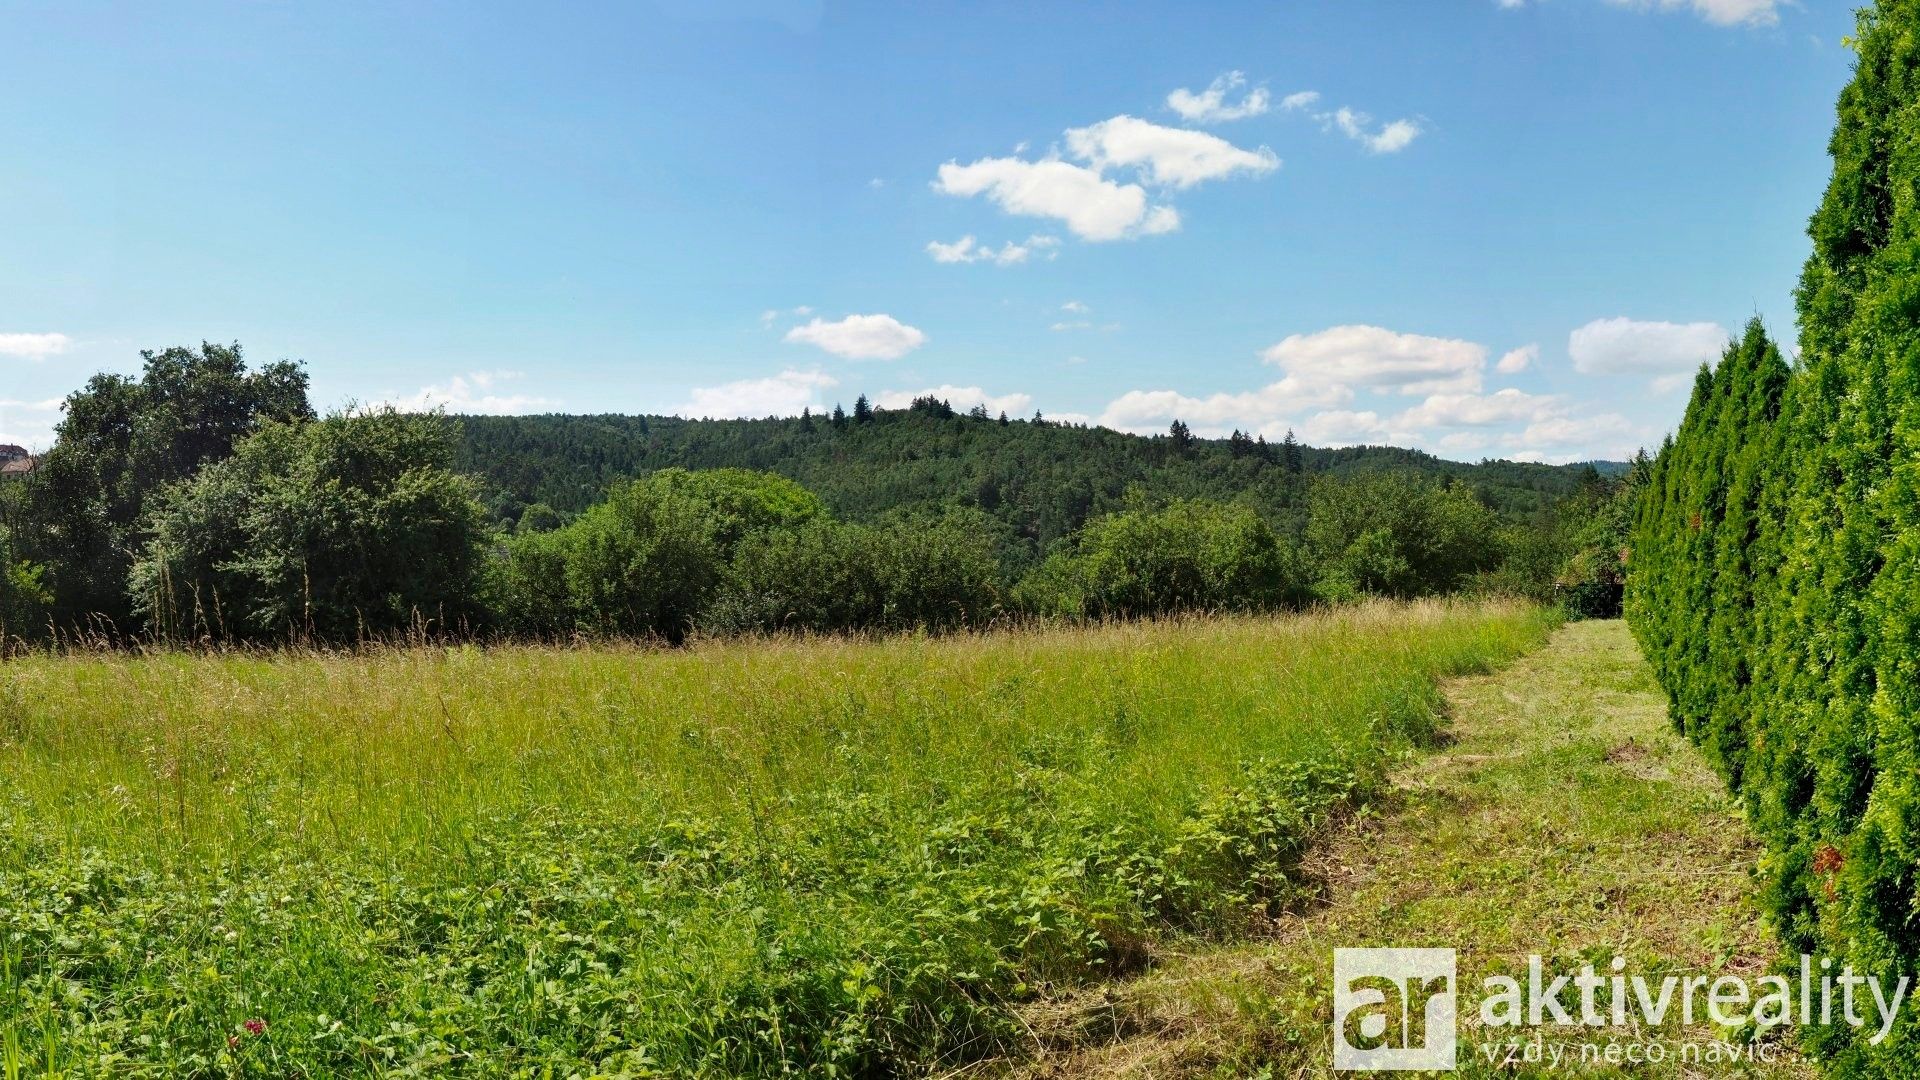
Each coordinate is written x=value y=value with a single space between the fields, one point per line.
x=1775 y=581
x=206 y=501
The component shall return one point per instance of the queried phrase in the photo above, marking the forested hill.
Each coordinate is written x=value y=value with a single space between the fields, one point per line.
x=1042 y=478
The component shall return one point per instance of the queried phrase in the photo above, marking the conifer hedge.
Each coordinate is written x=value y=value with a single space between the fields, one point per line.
x=1775 y=564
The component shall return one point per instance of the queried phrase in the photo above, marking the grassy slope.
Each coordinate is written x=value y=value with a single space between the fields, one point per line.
x=743 y=858
x=1567 y=819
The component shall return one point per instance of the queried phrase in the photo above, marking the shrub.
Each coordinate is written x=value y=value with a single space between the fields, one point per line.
x=1397 y=535
x=1188 y=556
x=336 y=529
x=1775 y=581
x=827 y=576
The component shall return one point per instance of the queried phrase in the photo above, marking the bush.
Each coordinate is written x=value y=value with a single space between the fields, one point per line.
x=908 y=573
x=652 y=558
x=1189 y=556
x=24 y=599
x=1397 y=535
x=1775 y=581
x=338 y=529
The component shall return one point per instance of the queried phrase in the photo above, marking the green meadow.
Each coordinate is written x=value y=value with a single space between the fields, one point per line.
x=754 y=857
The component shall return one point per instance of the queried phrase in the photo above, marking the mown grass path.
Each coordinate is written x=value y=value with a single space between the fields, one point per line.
x=1565 y=819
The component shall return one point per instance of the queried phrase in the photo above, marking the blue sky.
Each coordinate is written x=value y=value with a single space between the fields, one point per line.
x=1483 y=227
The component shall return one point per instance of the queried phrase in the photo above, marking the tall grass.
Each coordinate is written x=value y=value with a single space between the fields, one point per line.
x=749 y=858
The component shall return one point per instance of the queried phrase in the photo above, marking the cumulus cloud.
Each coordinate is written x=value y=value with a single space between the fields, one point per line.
x=1347 y=427
x=1518 y=360
x=771 y=315
x=1338 y=381
x=860 y=337
x=1301 y=100
x=967 y=250
x=1075 y=307
x=34 y=346
x=1621 y=346
x=1167 y=157
x=29 y=423
x=962 y=398
x=1579 y=438
x=1717 y=12
x=477 y=393
x=1092 y=206
x=1210 y=106
x=1390 y=138
x=785 y=394
x=1259 y=410
x=1376 y=357
x=1480 y=410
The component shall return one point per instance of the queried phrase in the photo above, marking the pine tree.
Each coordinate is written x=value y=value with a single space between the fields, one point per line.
x=839 y=420
x=806 y=419
x=862 y=410
x=1290 y=454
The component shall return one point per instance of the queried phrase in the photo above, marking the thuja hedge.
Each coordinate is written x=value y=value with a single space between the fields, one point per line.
x=1775 y=581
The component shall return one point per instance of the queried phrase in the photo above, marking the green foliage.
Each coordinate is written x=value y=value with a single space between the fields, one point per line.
x=644 y=562
x=1398 y=535
x=1042 y=481
x=336 y=529
x=1776 y=556
x=812 y=858
x=121 y=442
x=905 y=573
x=1188 y=556
x=24 y=599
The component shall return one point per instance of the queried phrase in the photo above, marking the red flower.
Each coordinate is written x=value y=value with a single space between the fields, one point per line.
x=255 y=1027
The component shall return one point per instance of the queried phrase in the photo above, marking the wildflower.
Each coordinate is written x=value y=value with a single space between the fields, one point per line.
x=255 y=1026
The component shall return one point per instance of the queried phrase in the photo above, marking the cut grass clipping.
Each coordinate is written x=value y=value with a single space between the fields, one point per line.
x=817 y=856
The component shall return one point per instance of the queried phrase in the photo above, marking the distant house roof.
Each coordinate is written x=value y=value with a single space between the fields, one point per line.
x=10 y=452
x=19 y=466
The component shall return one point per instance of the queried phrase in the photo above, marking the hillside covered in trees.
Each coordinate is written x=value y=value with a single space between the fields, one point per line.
x=206 y=500
x=1041 y=478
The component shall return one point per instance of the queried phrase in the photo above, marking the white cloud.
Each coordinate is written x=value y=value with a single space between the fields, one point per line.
x=967 y=250
x=785 y=394
x=1462 y=442
x=962 y=398
x=1718 y=12
x=1075 y=324
x=34 y=346
x=1210 y=105
x=1094 y=207
x=29 y=423
x=1383 y=359
x=1627 y=346
x=768 y=316
x=860 y=337
x=1258 y=410
x=1578 y=438
x=1167 y=157
x=1389 y=139
x=1091 y=204
x=1507 y=406
x=475 y=393
x=1297 y=101
x=1667 y=384
x=1075 y=307
x=1518 y=360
